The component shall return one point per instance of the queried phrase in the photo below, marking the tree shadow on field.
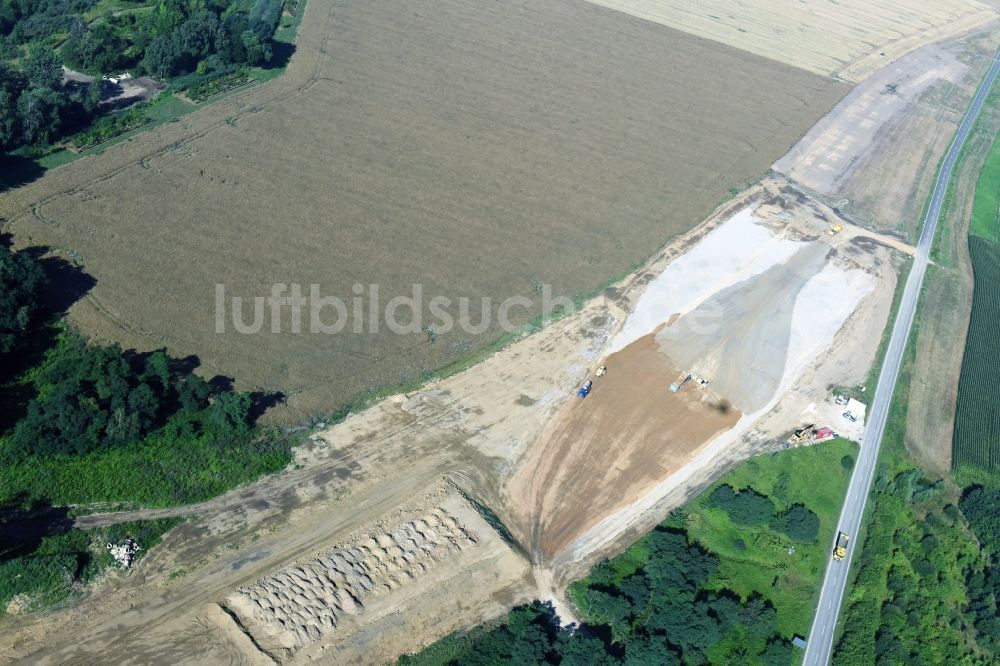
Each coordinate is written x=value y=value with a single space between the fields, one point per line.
x=281 y=54
x=260 y=402
x=221 y=384
x=16 y=171
x=22 y=528
x=66 y=284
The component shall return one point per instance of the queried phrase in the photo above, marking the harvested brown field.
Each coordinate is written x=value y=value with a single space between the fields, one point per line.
x=848 y=39
x=478 y=149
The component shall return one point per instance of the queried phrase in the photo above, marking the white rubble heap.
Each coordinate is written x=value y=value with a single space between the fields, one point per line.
x=124 y=553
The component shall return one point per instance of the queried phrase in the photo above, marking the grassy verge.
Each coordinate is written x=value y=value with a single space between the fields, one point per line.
x=163 y=109
x=168 y=107
x=61 y=565
x=162 y=470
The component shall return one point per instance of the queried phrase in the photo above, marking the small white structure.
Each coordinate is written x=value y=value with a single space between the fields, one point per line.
x=855 y=411
x=124 y=553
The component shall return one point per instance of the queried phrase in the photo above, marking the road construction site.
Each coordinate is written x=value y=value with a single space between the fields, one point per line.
x=505 y=454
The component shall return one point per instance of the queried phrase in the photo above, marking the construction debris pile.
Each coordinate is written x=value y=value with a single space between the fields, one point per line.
x=124 y=553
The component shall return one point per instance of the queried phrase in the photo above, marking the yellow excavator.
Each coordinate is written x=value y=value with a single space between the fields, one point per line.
x=802 y=434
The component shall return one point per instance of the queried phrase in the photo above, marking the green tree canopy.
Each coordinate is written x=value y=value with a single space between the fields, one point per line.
x=745 y=507
x=798 y=522
x=22 y=282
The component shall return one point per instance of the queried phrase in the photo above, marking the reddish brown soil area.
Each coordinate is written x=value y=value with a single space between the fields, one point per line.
x=582 y=471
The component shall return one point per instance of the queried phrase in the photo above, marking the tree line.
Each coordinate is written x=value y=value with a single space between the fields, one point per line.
x=926 y=590
x=979 y=505
x=207 y=37
x=665 y=612
x=74 y=400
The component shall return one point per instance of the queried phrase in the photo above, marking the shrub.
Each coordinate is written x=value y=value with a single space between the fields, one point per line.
x=214 y=84
x=798 y=522
x=979 y=504
x=847 y=462
x=746 y=507
x=925 y=568
x=111 y=126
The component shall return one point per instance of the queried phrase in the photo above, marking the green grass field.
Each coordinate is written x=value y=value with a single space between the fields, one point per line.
x=986 y=207
x=159 y=471
x=976 y=439
x=813 y=476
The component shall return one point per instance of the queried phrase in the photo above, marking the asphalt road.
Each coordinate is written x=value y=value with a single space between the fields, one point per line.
x=820 y=639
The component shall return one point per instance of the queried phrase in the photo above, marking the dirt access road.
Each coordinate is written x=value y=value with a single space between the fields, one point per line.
x=348 y=481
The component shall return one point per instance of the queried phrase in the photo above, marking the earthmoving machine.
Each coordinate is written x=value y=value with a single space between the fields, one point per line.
x=840 y=550
x=674 y=388
x=585 y=389
x=803 y=434
x=834 y=230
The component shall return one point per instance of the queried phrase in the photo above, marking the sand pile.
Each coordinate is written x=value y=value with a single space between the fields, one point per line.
x=304 y=602
x=739 y=337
